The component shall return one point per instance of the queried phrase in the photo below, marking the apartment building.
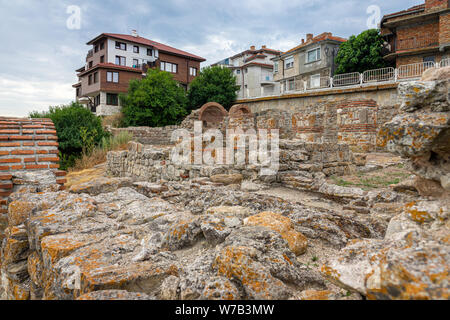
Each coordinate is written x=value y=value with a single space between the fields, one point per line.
x=115 y=59
x=308 y=65
x=253 y=69
x=418 y=34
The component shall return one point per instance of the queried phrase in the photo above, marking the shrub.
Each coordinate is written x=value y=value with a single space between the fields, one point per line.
x=98 y=154
x=79 y=131
x=155 y=101
x=214 y=84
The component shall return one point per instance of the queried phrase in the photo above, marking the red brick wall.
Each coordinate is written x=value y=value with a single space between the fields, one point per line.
x=444 y=29
x=184 y=64
x=26 y=144
x=423 y=34
x=433 y=5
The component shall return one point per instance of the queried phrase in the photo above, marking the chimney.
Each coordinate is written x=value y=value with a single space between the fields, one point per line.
x=434 y=5
x=252 y=48
x=309 y=36
x=264 y=47
x=134 y=33
x=303 y=41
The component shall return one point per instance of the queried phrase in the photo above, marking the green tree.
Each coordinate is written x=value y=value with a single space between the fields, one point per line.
x=78 y=129
x=155 y=101
x=214 y=84
x=361 y=53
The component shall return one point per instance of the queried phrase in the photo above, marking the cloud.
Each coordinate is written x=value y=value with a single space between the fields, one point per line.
x=39 y=54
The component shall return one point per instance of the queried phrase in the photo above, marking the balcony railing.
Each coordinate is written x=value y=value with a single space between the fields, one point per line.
x=416 y=43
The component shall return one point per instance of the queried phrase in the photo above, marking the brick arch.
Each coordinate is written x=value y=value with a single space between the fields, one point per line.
x=239 y=110
x=28 y=155
x=212 y=113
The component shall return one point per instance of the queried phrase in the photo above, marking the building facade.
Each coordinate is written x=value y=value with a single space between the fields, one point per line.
x=115 y=59
x=418 y=34
x=253 y=69
x=310 y=64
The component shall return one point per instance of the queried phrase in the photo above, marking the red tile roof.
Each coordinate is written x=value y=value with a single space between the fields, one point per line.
x=148 y=42
x=316 y=39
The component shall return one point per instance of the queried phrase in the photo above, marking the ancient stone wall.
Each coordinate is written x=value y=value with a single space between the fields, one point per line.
x=296 y=157
x=149 y=135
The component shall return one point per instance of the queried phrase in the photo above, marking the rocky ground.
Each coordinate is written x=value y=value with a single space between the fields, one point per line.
x=116 y=238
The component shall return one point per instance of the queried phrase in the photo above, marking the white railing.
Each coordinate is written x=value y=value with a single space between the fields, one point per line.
x=318 y=83
x=444 y=63
x=414 y=70
x=346 y=79
x=378 y=75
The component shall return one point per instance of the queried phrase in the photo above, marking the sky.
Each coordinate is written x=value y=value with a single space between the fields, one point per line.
x=43 y=41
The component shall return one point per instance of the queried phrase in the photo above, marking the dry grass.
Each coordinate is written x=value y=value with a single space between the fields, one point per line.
x=113 y=120
x=98 y=154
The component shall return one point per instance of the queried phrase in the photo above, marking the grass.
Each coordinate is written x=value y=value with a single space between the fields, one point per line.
x=98 y=154
x=373 y=181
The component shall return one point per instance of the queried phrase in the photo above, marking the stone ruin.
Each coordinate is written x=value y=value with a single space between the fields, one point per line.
x=156 y=230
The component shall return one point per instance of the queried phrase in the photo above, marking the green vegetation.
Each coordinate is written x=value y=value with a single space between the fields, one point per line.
x=79 y=131
x=376 y=180
x=155 y=101
x=361 y=53
x=214 y=84
x=98 y=154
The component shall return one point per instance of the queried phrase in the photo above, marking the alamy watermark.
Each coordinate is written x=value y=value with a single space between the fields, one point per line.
x=73 y=22
x=208 y=148
x=374 y=19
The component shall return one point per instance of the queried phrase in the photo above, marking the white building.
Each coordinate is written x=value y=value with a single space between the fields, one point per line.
x=254 y=71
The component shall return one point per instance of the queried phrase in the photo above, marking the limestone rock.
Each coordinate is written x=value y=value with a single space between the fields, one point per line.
x=418 y=94
x=110 y=295
x=227 y=179
x=433 y=74
x=283 y=225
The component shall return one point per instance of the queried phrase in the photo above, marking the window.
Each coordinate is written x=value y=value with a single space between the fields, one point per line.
x=102 y=59
x=315 y=81
x=90 y=64
x=289 y=63
x=121 y=45
x=429 y=59
x=238 y=71
x=169 y=67
x=121 y=61
x=193 y=71
x=90 y=79
x=97 y=100
x=246 y=70
x=112 y=76
x=135 y=63
x=78 y=92
x=291 y=85
x=313 y=55
x=275 y=67
x=149 y=52
x=96 y=48
x=95 y=77
x=102 y=46
x=136 y=49
x=112 y=99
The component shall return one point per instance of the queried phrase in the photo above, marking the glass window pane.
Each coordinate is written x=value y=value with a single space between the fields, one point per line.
x=115 y=77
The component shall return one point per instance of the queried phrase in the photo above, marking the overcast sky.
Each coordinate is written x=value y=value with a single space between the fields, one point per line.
x=39 y=53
